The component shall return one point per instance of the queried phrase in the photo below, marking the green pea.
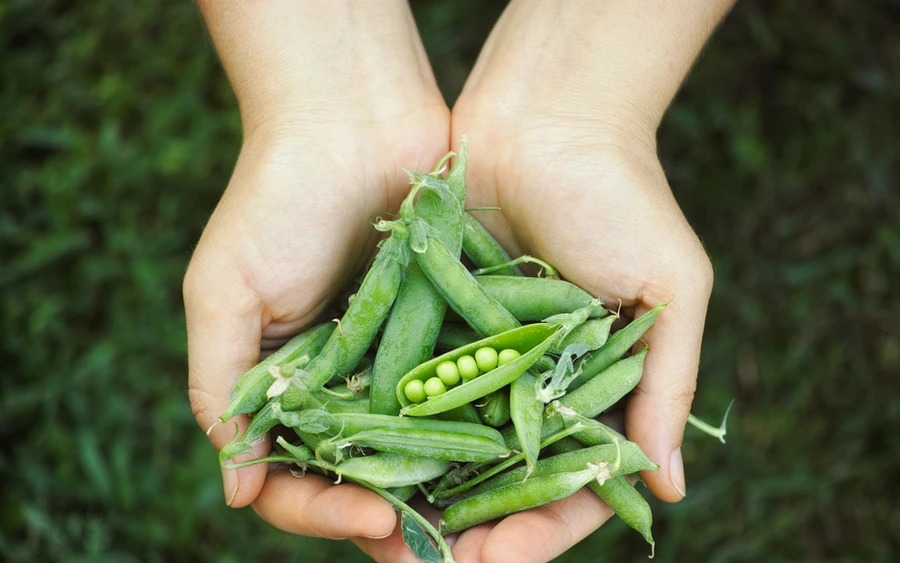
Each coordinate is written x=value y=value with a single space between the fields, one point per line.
x=415 y=390
x=486 y=358
x=434 y=387
x=468 y=367
x=507 y=356
x=448 y=372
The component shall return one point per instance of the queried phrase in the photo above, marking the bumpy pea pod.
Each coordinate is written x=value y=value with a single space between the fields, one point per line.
x=433 y=444
x=622 y=498
x=591 y=399
x=359 y=325
x=386 y=470
x=530 y=341
x=495 y=408
x=535 y=299
x=454 y=335
x=616 y=347
x=457 y=483
x=629 y=456
x=273 y=412
x=526 y=398
x=606 y=388
x=452 y=280
x=593 y=334
x=404 y=493
x=412 y=329
x=352 y=423
x=249 y=393
x=527 y=414
x=482 y=248
x=503 y=501
x=462 y=413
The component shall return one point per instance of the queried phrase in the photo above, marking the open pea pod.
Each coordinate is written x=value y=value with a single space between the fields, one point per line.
x=531 y=341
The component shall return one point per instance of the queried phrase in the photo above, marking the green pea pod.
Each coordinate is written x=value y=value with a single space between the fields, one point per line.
x=268 y=417
x=594 y=433
x=530 y=341
x=535 y=299
x=527 y=416
x=482 y=248
x=607 y=387
x=359 y=325
x=404 y=493
x=348 y=424
x=387 y=470
x=622 y=498
x=601 y=392
x=412 y=329
x=458 y=287
x=462 y=413
x=593 y=333
x=494 y=409
x=616 y=347
x=455 y=335
x=433 y=444
x=249 y=393
x=503 y=501
x=632 y=460
x=467 y=477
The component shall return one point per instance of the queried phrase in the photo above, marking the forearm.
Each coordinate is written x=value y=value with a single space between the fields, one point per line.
x=619 y=58
x=319 y=59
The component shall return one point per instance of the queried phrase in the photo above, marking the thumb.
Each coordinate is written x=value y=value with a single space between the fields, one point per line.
x=224 y=320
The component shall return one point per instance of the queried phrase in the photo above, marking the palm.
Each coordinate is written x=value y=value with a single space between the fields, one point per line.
x=603 y=214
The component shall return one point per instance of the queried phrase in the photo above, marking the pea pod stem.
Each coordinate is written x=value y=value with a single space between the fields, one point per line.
x=360 y=324
x=710 y=429
x=549 y=271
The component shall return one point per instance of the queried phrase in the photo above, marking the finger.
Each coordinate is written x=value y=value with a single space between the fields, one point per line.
x=315 y=506
x=469 y=544
x=657 y=411
x=223 y=327
x=542 y=534
x=393 y=549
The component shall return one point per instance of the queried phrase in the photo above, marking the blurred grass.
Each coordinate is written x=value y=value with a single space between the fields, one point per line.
x=120 y=131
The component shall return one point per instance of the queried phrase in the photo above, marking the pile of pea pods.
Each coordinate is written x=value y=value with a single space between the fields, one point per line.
x=485 y=408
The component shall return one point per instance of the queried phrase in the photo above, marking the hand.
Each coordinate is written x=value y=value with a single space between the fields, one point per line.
x=571 y=161
x=326 y=142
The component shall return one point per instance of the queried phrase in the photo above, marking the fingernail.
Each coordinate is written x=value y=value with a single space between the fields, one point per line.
x=387 y=535
x=230 y=484
x=676 y=472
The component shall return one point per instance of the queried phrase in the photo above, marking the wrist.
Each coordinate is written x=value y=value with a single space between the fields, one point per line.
x=622 y=59
x=315 y=60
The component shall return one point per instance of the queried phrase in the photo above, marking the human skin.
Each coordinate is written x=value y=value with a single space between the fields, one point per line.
x=335 y=103
x=561 y=111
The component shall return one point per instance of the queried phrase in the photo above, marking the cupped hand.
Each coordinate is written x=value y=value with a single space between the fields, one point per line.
x=582 y=188
x=292 y=229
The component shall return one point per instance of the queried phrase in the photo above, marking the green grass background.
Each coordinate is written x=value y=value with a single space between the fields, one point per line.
x=118 y=133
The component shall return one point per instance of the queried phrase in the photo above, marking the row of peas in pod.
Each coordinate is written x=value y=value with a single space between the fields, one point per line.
x=453 y=376
x=449 y=373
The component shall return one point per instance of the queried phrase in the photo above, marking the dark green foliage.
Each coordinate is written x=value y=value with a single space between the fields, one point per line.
x=119 y=132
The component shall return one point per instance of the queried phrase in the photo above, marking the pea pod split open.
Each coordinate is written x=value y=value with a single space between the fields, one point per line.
x=530 y=341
